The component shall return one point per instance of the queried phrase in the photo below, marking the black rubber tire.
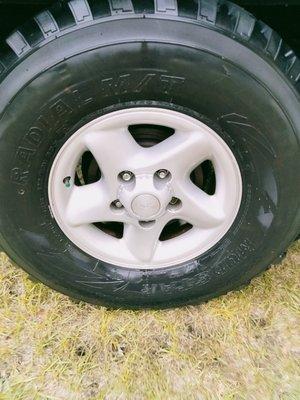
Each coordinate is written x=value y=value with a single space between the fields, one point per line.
x=210 y=59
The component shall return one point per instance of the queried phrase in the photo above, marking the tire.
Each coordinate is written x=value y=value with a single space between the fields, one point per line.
x=210 y=61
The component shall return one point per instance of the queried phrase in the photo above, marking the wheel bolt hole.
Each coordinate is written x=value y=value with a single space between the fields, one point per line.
x=116 y=205
x=146 y=224
x=126 y=176
x=67 y=181
x=175 y=204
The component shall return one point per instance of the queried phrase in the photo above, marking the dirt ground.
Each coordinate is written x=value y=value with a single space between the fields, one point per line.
x=244 y=345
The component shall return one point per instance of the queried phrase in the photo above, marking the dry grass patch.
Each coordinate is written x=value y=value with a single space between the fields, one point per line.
x=244 y=345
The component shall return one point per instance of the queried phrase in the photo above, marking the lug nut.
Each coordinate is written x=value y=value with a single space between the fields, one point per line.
x=162 y=173
x=174 y=201
x=117 y=204
x=175 y=204
x=126 y=176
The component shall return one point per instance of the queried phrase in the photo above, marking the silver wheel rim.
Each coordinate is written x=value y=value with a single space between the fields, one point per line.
x=138 y=186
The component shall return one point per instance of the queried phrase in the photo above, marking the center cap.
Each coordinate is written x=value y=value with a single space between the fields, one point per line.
x=145 y=205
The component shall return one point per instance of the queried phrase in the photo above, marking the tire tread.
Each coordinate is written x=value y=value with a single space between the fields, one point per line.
x=81 y=11
x=222 y=14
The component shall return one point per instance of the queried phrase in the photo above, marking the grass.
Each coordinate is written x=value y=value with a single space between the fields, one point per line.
x=244 y=345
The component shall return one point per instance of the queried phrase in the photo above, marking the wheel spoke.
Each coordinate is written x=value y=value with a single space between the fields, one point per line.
x=199 y=208
x=141 y=241
x=113 y=149
x=88 y=204
x=180 y=153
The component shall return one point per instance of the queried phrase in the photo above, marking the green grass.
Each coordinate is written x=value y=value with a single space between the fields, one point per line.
x=244 y=345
